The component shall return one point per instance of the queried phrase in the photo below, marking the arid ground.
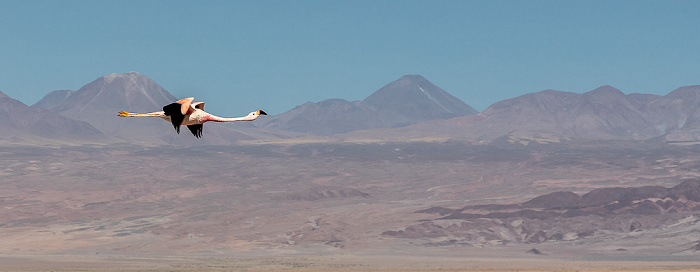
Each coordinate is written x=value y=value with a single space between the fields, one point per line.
x=328 y=207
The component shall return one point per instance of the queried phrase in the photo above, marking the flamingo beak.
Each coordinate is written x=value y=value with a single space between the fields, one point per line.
x=261 y=112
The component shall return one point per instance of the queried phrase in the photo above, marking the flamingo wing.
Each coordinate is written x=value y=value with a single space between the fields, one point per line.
x=196 y=130
x=197 y=105
x=185 y=104
x=176 y=116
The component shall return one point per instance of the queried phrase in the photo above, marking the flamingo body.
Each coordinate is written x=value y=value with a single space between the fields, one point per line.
x=191 y=114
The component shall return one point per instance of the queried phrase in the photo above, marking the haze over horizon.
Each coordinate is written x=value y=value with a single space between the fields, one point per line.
x=242 y=55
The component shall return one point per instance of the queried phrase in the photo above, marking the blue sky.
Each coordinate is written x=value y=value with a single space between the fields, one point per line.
x=243 y=55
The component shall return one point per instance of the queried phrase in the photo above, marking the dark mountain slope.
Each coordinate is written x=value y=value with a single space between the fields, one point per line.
x=53 y=99
x=20 y=120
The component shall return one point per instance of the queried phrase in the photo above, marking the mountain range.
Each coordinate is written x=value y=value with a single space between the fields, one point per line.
x=604 y=113
x=408 y=108
x=409 y=100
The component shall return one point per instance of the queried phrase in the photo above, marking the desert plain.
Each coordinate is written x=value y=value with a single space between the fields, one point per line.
x=334 y=207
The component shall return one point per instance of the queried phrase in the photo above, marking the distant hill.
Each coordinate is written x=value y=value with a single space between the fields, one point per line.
x=604 y=113
x=408 y=100
x=21 y=121
x=324 y=118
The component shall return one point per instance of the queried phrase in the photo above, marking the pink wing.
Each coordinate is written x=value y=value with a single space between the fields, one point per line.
x=185 y=102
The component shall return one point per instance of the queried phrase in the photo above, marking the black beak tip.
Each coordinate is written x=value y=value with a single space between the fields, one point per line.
x=262 y=112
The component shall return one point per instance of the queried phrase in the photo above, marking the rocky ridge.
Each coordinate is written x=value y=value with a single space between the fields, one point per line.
x=605 y=213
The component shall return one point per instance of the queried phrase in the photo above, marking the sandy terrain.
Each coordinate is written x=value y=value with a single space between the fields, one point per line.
x=305 y=208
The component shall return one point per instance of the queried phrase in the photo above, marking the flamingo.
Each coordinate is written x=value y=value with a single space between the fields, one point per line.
x=191 y=114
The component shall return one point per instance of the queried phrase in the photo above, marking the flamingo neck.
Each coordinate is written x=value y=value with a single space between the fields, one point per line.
x=215 y=118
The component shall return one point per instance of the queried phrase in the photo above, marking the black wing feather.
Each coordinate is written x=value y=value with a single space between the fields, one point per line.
x=176 y=116
x=196 y=130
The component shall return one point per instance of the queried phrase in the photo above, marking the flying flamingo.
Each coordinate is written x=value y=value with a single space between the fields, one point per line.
x=192 y=115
